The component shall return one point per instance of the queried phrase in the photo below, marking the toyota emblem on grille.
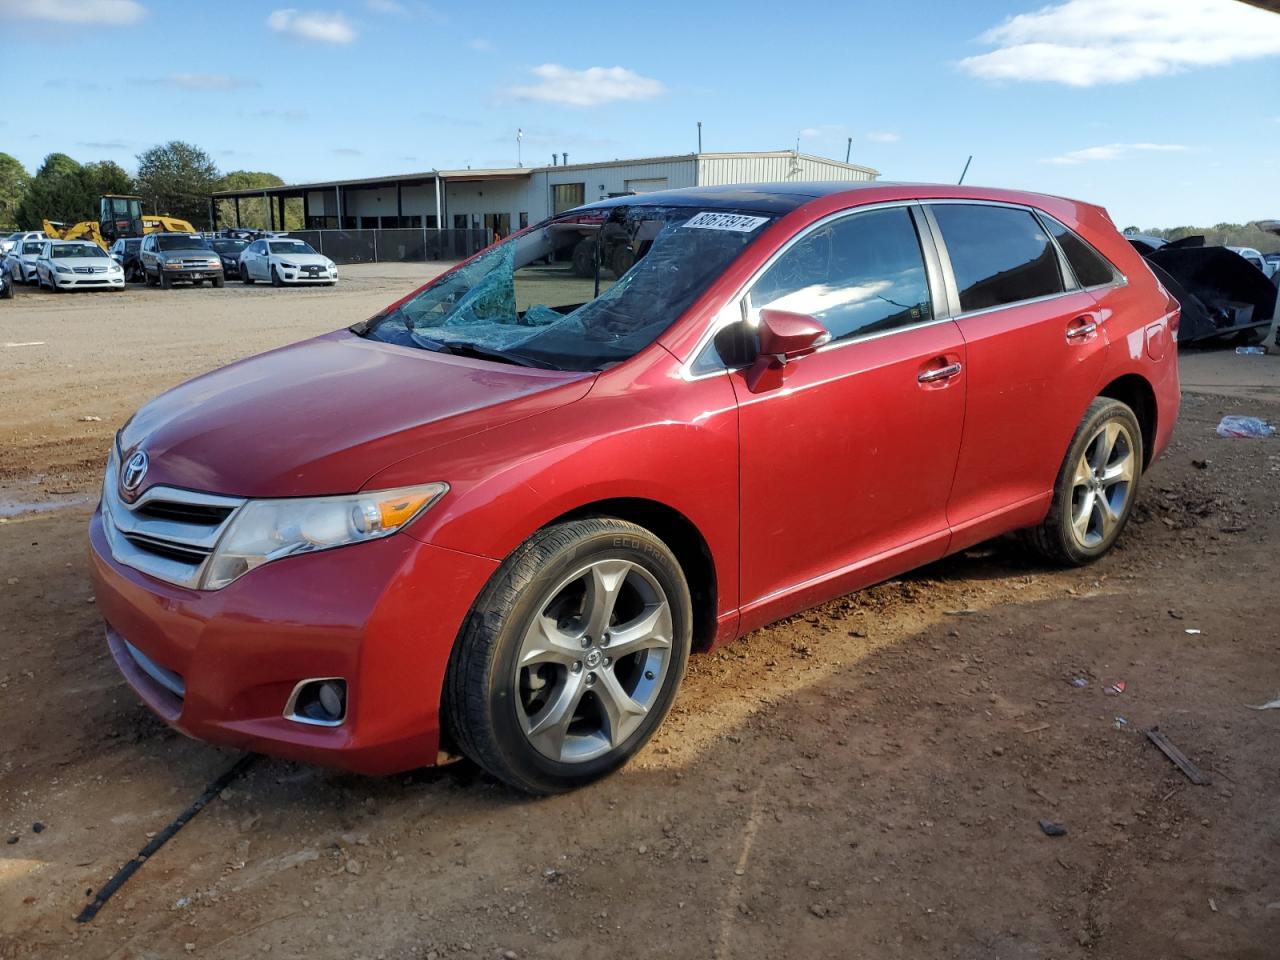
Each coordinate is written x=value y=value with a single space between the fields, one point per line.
x=134 y=470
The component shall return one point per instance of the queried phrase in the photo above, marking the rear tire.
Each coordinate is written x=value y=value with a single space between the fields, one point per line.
x=1096 y=487
x=571 y=656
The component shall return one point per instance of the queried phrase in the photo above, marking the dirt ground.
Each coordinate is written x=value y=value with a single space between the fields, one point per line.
x=862 y=780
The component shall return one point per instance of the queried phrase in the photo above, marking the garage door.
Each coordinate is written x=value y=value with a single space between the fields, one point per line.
x=647 y=185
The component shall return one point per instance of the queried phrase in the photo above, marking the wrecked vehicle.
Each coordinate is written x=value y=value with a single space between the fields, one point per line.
x=1223 y=295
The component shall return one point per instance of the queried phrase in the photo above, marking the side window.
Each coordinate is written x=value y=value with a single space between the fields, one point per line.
x=1091 y=268
x=861 y=274
x=999 y=254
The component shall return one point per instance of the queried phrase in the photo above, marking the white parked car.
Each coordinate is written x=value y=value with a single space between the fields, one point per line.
x=77 y=265
x=20 y=262
x=285 y=260
x=13 y=239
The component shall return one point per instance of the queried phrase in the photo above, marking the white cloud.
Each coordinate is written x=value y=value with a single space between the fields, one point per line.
x=883 y=136
x=1083 y=43
x=1114 y=151
x=210 y=81
x=589 y=87
x=314 y=25
x=112 y=12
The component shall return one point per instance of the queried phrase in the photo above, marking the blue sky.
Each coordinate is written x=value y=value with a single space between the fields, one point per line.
x=1165 y=111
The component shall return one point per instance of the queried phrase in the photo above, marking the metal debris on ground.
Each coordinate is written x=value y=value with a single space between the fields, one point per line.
x=1120 y=723
x=1053 y=829
x=1233 y=426
x=1115 y=689
x=1178 y=757
x=1078 y=682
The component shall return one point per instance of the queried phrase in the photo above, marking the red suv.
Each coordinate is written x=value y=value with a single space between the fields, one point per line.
x=497 y=517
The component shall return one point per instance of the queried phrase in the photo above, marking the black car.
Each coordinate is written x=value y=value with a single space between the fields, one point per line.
x=125 y=252
x=229 y=249
x=6 y=286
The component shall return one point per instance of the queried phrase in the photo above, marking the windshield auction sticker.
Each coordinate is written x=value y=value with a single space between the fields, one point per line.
x=737 y=222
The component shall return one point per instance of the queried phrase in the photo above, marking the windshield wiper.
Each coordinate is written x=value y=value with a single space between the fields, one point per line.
x=463 y=348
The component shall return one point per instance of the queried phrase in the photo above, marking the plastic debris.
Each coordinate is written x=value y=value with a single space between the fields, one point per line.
x=1251 y=351
x=1079 y=682
x=1233 y=426
x=1053 y=829
x=1115 y=689
x=1272 y=705
x=1120 y=723
x=1192 y=631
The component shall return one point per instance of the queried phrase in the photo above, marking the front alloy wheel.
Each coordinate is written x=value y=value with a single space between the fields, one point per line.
x=571 y=656
x=593 y=661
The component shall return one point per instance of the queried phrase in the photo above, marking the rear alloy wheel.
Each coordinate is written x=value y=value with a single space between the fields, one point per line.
x=571 y=657
x=1096 y=488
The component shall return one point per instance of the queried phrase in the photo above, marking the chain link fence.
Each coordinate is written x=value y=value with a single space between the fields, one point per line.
x=406 y=245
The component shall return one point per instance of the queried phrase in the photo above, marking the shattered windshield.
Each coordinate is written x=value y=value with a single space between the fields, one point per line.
x=579 y=292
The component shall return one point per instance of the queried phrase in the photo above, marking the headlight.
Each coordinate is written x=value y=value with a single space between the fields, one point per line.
x=172 y=265
x=266 y=530
x=288 y=266
x=61 y=269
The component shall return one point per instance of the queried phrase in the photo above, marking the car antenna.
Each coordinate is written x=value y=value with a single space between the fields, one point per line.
x=965 y=170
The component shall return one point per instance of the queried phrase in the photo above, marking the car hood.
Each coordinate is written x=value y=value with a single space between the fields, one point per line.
x=302 y=258
x=104 y=262
x=323 y=416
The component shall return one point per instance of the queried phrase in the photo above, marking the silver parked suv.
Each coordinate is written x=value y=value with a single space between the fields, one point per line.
x=169 y=257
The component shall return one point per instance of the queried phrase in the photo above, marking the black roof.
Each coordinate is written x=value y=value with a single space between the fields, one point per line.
x=771 y=198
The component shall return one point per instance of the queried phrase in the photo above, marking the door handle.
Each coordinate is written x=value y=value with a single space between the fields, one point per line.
x=1081 y=327
x=939 y=373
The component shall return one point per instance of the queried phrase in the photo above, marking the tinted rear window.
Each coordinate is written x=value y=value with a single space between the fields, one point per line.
x=999 y=255
x=1091 y=268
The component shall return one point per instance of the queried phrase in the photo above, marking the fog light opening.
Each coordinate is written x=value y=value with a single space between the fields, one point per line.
x=321 y=701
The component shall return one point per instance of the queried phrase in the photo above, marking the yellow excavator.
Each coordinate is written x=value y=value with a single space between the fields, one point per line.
x=118 y=216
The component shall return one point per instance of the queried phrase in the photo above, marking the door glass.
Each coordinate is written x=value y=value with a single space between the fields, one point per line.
x=999 y=255
x=1091 y=268
x=858 y=275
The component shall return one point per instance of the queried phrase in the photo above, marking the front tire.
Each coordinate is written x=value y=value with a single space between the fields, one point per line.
x=244 y=274
x=163 y=279
x=571 y=656
x=275 y=278
x=1096 y=488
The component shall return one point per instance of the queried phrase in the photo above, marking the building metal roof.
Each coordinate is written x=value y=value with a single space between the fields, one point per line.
x=516 y=173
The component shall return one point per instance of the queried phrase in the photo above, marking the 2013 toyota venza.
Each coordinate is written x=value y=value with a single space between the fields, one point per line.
x=496 y=518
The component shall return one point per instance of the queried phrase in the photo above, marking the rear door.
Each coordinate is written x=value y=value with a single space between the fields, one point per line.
x=1035 y=351
x=847 y=459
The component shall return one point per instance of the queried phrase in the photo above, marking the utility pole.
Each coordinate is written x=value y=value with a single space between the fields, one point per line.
x=699 y=136
x=519 y=138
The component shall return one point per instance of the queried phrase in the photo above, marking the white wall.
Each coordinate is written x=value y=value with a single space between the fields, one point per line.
x=714 y=171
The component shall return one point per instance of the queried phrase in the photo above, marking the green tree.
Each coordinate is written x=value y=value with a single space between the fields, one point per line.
x=253 y=210
x=107 y=176
x=14 y=182
x=57 y=192
x=176 y=179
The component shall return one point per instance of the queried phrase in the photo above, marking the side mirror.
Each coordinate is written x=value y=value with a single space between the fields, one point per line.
x=784 y=336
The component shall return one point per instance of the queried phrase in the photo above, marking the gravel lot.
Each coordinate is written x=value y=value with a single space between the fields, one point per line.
x=864 y=779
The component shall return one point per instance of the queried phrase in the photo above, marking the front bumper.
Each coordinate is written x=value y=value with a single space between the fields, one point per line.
x=301 y=277
x=88 y=281
x=383 y=615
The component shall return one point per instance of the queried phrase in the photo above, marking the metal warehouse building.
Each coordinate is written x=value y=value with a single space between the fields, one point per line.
x=499 y=201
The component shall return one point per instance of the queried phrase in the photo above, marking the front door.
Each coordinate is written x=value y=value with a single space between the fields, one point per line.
x=847 y=458
x=1036 y=351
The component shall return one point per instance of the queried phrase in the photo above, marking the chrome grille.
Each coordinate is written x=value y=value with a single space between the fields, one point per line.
x=167 y=533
